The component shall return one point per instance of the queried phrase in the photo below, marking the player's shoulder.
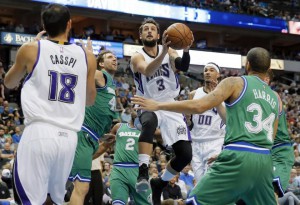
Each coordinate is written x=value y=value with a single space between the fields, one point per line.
x=233 y=81
x=29 y=46
x=136 y=56
x=118 y=125
x=29 y=51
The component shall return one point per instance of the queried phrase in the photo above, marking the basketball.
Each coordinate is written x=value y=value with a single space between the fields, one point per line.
x=180 y=36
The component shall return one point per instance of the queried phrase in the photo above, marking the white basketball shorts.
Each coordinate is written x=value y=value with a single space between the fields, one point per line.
x=173 y=127
x=202 y=151
x=43 y=163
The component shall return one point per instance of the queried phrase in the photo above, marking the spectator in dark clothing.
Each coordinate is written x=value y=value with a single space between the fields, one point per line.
x=4 y=192
x=172 y=191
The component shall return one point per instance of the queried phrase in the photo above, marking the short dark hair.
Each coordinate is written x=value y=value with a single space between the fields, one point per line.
x=100 y=58
x=149 y=20
x=259 y=59
x=55 y=18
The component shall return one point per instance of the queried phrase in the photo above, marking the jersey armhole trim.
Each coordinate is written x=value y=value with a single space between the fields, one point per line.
x=106 y=80
x=35 y=63
x=241 y=95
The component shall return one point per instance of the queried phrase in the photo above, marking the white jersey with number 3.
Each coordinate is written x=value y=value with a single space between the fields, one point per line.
x=162 y=85
x=55 y=91
x=208 y=125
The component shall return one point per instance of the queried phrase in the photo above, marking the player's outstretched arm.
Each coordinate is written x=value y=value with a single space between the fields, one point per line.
x=91 y=86
x=222 y=92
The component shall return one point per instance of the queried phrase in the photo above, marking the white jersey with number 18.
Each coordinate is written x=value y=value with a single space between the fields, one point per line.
x=55 y=91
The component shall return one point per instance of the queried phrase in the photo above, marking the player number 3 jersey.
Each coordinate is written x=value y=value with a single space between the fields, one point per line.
x=162 y=85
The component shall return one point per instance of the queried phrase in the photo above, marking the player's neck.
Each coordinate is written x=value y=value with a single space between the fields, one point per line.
x=60 y=38
x=260 y=75
x=152 y=51
x=112 y=73
x=206 y=86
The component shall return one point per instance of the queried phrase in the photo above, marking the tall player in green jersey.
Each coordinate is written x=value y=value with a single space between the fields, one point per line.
x=126 y=165
x=98 y=120
x=243 y=170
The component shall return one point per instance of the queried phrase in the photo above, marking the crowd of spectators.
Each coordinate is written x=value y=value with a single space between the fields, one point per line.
x=286 y=10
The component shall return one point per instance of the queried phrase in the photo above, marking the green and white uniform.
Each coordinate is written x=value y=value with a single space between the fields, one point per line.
x=282 y=155
x=243 y=170
x=125 y=171
x=97 y=122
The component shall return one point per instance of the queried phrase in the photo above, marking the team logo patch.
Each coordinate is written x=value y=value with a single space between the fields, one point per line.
x=181 y=130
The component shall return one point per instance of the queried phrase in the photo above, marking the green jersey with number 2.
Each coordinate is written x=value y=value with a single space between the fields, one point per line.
x=251 y=117
x=127 y=144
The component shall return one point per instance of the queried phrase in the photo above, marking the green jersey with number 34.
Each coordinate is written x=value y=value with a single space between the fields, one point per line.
x=105 y=104
x=251 y=117
x=126 y=149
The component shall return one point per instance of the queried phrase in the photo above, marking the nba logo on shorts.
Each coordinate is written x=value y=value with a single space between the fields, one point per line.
x=181 y=130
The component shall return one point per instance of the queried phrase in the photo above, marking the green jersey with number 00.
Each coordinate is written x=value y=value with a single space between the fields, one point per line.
x=105 y=104
x=251 y=117
x=126 y=149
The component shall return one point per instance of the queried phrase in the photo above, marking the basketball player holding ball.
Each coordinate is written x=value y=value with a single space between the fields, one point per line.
x=154 y=69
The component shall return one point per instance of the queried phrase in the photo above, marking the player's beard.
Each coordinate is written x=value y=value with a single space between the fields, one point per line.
x=151 y=43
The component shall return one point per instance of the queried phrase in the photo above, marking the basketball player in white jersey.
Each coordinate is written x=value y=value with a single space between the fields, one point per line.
x=207 y=129
x=60 y=82
x=154 y=68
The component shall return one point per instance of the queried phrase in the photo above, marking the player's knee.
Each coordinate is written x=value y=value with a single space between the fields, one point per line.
x=183 y=155
x=149 y=124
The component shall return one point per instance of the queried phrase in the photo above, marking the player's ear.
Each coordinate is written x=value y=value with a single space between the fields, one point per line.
x=247 y=67
x=101 y=64
x=69 y=24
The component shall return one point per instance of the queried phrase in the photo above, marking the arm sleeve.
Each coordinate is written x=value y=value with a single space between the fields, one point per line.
x=184 y=62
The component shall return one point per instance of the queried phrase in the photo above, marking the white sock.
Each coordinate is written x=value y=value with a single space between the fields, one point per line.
x=144 y=159
x=167 y=176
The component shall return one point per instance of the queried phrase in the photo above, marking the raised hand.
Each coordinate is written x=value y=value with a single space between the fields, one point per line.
x=192 y=41
x=39 y=35
x=88 y=44
x=164 y=41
